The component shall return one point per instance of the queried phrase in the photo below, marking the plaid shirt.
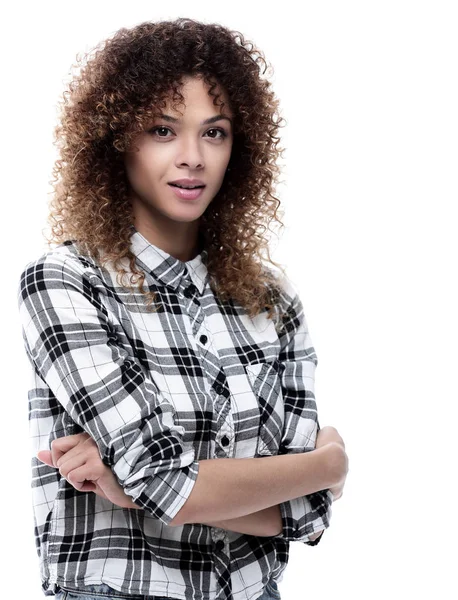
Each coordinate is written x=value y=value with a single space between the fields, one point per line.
x=158 y=392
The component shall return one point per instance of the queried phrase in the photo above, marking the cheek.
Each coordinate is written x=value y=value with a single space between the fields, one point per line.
x=143 y=168
x=134 y=171
x=219 y=166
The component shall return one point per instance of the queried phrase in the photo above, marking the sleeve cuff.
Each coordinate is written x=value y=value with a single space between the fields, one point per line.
x=305 y=516
x=165 y=493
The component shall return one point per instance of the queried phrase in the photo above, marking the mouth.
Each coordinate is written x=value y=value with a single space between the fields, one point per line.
x=187 y=193
x=183 y=187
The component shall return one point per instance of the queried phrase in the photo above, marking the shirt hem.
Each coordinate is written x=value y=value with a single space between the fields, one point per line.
x=51 y=588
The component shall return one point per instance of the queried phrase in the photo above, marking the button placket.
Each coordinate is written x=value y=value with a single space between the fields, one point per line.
x=190 y=290
x=225 y=440
x=214 y=372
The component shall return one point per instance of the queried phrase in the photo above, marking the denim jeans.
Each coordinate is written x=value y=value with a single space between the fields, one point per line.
x=105 y=592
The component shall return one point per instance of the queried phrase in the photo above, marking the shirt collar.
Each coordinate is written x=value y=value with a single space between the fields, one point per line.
x=166 y=268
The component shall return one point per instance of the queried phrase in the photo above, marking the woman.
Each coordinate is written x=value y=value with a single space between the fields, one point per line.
x=137 y=389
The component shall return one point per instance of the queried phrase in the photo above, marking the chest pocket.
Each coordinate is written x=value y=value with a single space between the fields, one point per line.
x=266 y=384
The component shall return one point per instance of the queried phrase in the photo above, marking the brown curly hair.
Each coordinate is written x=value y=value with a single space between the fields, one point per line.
x=120 y=89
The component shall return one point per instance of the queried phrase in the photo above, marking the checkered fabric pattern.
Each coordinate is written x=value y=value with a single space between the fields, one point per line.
x=158 y=392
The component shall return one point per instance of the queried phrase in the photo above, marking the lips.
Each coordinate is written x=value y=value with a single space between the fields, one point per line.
x=186 y=188
x=187 y=182
x=185 y=194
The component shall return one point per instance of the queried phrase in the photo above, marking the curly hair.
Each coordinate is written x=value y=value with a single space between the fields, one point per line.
x=125 y=82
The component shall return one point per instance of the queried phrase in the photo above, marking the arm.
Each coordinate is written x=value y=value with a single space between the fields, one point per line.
x=228 y=488
x=77 y=458
x=73 y=343
x=304 y=512
x=303 y=518
x=266 y=522
x=311 y=513
x=221 y=502
x=240 y=495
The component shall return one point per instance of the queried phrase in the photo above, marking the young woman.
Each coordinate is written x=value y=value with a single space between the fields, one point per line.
x=163 y=348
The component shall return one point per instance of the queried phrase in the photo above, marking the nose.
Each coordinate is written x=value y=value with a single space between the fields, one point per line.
x=190 y=154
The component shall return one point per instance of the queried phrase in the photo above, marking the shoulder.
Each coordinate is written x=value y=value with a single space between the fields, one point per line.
x=61 y=266
x=284 y=294
x=62 y=258
x=282 y=285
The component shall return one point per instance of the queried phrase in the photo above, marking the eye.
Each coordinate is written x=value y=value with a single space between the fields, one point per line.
x=155 y=130
x=221 y=131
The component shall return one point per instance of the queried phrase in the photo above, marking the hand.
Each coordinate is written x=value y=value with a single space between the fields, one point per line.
x=330 y=435
x=327 y=435
x=78 y=459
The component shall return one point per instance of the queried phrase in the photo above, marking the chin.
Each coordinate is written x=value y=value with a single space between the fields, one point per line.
x=186 y=218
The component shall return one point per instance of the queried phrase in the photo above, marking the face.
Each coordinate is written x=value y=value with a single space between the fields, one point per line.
x=172 y=149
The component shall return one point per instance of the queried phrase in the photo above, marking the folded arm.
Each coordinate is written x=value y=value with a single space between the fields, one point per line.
x=78 y=348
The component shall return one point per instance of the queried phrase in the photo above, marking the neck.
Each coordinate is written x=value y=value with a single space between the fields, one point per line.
x=183 y=242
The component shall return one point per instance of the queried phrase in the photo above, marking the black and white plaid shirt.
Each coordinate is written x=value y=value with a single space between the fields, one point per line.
x=158 y=392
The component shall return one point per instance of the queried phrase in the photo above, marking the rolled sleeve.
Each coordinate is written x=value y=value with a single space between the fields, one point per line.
x=306 y=515
x=73 y=346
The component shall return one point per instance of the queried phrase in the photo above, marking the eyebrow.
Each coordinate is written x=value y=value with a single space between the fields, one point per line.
x=206 y=122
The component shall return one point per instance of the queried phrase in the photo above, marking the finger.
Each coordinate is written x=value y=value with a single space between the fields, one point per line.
x=45 y=456
x=80 y=475
x=74 y=479
x=71 y=464
x=86 y=448
x=71 y=455
x=87 y=486
x=63 y=444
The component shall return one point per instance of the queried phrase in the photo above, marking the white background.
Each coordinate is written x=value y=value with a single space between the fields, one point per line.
x=369 y=91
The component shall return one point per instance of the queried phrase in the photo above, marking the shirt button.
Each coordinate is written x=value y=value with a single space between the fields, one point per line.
x=219 y=545
x=219 y=389
x=203 y=339
x=225 y=440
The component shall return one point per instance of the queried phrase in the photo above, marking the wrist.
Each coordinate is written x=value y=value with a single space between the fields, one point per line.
x=129 y=503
